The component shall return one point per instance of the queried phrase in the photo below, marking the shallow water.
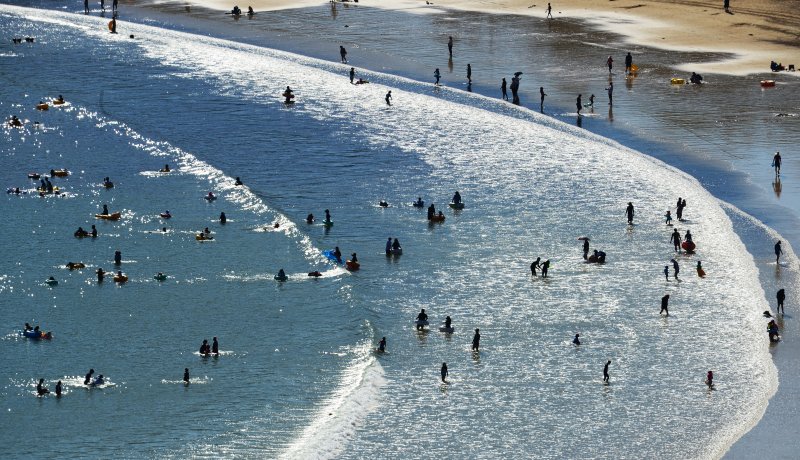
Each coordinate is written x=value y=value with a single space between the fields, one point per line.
x=301 y=381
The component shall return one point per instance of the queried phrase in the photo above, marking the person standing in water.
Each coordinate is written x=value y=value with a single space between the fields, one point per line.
x=41 y=390
x=579 y=104
x=610 y=90
x=586 y=249
x=675 y=267
x=710 y=379
x=628 y=63
x=343 y=54
x=675 y=239
x=382 y=345
x=421 y=318
x=186 y=375
x=629 y=213
x=85 y=6
x=437 y=75
x=114 y=5
x=781 y=295
x=117 y=257
x=469 y=73
x=88 y=378
x=541 y=96
x=664 y=305
x=476 y=340
x=450 y=46
x=503 y=88
x=545 y=267
x=388 y=98
x=444 y=372
x=609 y=63
x=222 y=218
x=778 y=251
x=352 y=74
x=577 y=340
x=666 y=272
x=215 y=346
x=58 y=389
x=605 y=371
x=534 y=266
x=431 y=211
x=776 y=163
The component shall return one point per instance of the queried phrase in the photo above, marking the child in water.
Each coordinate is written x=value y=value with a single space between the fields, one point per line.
x=668 y=218
x=666 y=272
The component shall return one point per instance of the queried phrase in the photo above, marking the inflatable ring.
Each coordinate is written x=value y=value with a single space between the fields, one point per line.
x=120 y=279
x=352 y=266
x=160 y=277
x=457 y=205
x=60 y=173
x=42 y=106
x=767 y=83
x=112 y=216
x=677 y=81
x=437 y=218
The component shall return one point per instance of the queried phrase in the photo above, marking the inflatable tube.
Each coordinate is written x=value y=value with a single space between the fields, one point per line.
x=448 y=330
x=165 y=215
x=329 y=254
x=36 y=335
x=767 y=83
x=76 y=266
x=161 y=277
x=688 y=246
x=34 y=176
x=108 y=184
x=457 y=205
x=281 y=278
x=42 y=106
x=51 y=282
x=352 y=266
x=437 y=218
x=418 y=204
x=210 y=198
x=203 y=238
x=60 y=173
x=677 y=81
x=634 y=68
x=327 y=223
x=421 y=323
x=120 y=279
x=57 y=102
x=112 y=216
x=44 y=190
x=701 y=273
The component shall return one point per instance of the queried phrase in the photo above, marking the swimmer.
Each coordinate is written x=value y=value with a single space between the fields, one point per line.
x=222 y=218
x=100 y=275
x=205 y=348
x=80 y=232
x=310 y=219
x=328 y=217
x=382 y=345
x=476 y=340
x=250 y=11
x=288 y=95
x=88 y=378
x=456 y=198
x=281 y=275
x=15 y=122
x=238 y=181
x=396 y=245
x=165 y=169
x=577 y=340
x=422 y=316
x=94 y=232
x=41 y=390
x=431 y=211
x=206 y=231
x=447 y=322
x=419 y=203
x=315 y=274
x=164 y=229
x=210 y=196
x=186 y=375
x=105 y=210
x=710 y=379
x=117 y=257
x=605 y=371
x=98 y=381
x=361 y=81
x=215 y=346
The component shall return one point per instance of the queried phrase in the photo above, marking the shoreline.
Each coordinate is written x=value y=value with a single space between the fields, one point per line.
x=750 y=36
x=746 y=441
x=759 y=422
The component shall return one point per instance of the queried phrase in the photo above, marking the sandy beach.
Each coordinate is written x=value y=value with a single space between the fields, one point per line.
x=754 y=33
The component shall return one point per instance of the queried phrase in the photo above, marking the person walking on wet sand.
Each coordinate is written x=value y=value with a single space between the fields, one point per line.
x=437 y=75
x=778 y=251
x=610 y=63
x=776 y=163
x=628 y=63
x=503 y=87
x=629 y=213
x=343 y=53
x=549 y=12
x=352 y=74
x=666 y=272
x=664 y=305
x=469 y=73
x=605 y=371
x=450 y=46
x=444 y=372
x=781 y=297
x=389 y=98
x=578 y=104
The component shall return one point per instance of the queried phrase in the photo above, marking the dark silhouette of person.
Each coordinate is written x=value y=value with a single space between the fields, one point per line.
x=352 y=74
x=675 y=239
x=503 y=87
x=215 y=346
x=343 y=53
x=88 y=378
x=444 y=372
x=605 y=371
x=579 y=104
x=186 y=375
x=664 y=305
x=382 y=345
x=629 y=212
x=781 y=297
x=545 y=267
x=469 y=73
x=585 y=249
x=388 y=98
x=431 y=211
x=778 y=251
x=476 y=340
x=628 y=62
x=577 y=340
x=450 y=45
x=776 y=163
x=541 y=95
x=534 y=266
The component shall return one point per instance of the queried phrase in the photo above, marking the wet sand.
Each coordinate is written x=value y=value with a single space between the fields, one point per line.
x=753 y=32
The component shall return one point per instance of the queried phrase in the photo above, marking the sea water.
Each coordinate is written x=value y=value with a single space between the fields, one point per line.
x=298 y=378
